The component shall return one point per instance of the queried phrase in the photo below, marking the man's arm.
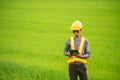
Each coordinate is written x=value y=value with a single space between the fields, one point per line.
x=67 y=48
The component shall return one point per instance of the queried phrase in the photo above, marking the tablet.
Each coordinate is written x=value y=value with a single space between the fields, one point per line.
x=73 y=51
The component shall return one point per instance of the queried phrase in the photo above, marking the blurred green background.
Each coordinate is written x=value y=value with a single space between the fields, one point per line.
x=33 y=34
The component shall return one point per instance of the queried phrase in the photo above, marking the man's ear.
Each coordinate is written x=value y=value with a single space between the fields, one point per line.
x=80 y=30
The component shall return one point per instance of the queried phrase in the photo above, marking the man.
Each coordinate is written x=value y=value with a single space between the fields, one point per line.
x=78 y=60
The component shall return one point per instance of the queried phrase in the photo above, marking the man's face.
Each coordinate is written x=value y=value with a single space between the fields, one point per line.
x=76 y=32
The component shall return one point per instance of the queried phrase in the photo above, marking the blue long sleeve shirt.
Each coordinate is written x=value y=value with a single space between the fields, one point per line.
x=86 y=50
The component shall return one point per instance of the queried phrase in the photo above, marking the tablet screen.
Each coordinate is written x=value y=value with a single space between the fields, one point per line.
x=73 y=51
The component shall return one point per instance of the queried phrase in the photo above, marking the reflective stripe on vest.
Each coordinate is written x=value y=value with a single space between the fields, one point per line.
x=72 y=44
x=74 y=59
x=80 y=49
x=81 y=45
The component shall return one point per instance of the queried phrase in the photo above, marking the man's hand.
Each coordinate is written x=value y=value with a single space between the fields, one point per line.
x=75 y=53
x=78 y=55
x=68 y=54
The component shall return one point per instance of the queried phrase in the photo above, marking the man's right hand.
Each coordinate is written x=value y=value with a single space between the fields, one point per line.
x=68 y=54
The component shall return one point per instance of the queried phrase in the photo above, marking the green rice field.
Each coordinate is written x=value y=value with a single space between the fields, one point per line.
x=33 y=34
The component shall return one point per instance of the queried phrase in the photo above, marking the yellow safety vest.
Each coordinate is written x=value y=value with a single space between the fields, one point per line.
x=73 y=59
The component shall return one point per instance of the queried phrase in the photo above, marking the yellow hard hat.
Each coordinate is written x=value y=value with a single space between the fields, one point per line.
x=77 y=25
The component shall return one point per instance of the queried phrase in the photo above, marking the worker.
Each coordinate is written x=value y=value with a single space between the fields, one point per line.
x=78 y=60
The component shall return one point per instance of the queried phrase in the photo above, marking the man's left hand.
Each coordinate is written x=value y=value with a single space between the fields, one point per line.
x=80 y=56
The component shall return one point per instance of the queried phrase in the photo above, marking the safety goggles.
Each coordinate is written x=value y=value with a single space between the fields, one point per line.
x=76 y=31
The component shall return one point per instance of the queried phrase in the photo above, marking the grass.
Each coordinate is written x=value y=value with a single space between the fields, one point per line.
x=33 y=34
